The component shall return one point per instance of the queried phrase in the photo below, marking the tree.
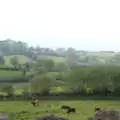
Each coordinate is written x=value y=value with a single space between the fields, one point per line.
x=14 y=61
x=38 y=49
x=72 y=57
x=39 y=67
x=20 y=47
x=49 y=65
x=41 y=84
x=8 y=89
x=26 y=66
x=61 y=67
x=115 y=59
x=2 y=60
x=42 y=66
x=97 y=78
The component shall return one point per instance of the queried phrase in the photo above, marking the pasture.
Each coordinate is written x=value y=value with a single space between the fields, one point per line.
x=21 y=59
x=4 y=73
x=57 y=59
x=84 y=108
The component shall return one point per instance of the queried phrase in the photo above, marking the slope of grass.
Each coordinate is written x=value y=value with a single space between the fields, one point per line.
x=84 y=108
x=57 y=59
x=101 y=54
x=21 y=59
x=9 y=73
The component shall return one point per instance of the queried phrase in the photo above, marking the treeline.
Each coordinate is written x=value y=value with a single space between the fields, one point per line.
x=11 y=47
x=100 y=81
x=97 y=80
x=14 y=79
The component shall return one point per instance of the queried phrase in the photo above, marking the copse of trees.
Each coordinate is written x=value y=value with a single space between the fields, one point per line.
x=95 y=80
x=2 y=61
x=83 y=81
x=103 y=80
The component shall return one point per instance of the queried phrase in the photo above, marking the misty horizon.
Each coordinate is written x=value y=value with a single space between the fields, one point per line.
x=83 y=25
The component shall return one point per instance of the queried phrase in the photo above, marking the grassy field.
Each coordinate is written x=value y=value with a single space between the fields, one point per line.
x=101 y=54
x=4 y=73
x=84 y=108
x=57 y=59
x=21 y=59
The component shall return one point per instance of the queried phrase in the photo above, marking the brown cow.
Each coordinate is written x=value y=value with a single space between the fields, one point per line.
x=35 y=102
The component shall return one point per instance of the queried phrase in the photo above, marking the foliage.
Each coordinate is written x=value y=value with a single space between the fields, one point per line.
x=2 y=60
x=14 y=61
x=7 y=89
x=42 y=66
x=82 y=72
x=41 y=84
x=14 y=79
x=72 y=57
x=61 y=67
x=98 y=77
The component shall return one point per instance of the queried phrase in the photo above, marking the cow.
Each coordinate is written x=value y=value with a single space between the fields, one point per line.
x=68 y=109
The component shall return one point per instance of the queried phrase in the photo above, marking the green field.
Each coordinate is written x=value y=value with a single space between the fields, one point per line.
x=4 y=73
x=57 y=59
x=21 y=59
x=84 y=108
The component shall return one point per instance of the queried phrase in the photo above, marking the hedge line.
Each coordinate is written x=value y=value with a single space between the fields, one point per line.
x=14 y=79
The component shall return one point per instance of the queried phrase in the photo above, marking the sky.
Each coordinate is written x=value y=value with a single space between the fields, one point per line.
x=81 y=24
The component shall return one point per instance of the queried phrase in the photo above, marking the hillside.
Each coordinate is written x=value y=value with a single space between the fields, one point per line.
x=56 y=59
x=84 y=57
x=21 y=59
x=71 y=56
x=101 y=57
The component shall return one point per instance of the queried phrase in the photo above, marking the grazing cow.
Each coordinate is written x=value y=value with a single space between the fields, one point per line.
x=69 y=109
x=35 y=102
x=97 y=109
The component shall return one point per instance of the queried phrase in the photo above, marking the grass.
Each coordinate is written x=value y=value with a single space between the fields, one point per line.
x=57 y=59
x=4 y=73
x=101 y=54
x=5 y=66
x=21 y=59
x=84 y=108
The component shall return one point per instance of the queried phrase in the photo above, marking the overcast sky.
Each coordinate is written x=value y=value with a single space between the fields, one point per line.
x=82 y=24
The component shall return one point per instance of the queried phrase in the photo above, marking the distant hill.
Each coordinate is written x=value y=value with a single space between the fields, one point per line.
x=84 y=58
x=23 y=59
x=54 y=58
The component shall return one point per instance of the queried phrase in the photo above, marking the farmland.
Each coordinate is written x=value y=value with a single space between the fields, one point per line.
x=84 y=108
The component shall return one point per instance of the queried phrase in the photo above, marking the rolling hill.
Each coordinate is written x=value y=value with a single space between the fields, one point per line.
x=21 y=59
x=84 y=57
